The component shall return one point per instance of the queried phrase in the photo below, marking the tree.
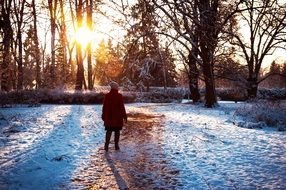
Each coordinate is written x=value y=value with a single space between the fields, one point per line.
x=89 y=5
x=30 y=58
x=61 y=56
x=143 y=60
x=53 y=6
x=193 y=53
x=109 y=66
x=208 y=36
x=266 y=24
x=19 y=16
x=274 y=78
x=283 y=72
x=274 y=68
x=79 y=59
x=37 y=53
x=166 y=69
x=199 y=23
x=71 y=45
x=7 y=32
x=114 y=64
x=229 y=73
x=101 y=64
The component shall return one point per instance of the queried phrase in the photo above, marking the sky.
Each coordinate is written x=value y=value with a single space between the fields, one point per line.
x=103 y=28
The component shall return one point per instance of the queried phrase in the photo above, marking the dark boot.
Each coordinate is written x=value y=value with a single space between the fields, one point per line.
x=107 y=140
x=116 y=139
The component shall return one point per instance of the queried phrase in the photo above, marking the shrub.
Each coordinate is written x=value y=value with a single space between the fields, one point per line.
x=160 y=95
x=272 y=113
x=272 y=94
x=19 y=97
x=228 y=94
x=34 y=97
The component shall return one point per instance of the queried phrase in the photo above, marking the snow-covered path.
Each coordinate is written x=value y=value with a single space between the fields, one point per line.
x=163 y=146
x=41 y=147
x=211 y=152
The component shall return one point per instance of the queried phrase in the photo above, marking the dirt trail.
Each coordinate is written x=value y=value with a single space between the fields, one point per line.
x=140 y=164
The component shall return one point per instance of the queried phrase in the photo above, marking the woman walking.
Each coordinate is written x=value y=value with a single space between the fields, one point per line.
x=113 y=114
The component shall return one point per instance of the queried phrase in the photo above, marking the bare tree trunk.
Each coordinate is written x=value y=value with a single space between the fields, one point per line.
x=14 y=75
x=193 y=57
x=208 y=37
x=71 y=64
x=89 y=63
x=5 y=26
x=19 y=13
x=63 y=40
x=20 y=61
x=80 y=69
x=38 y=58
x=163 y=61
x=210 y=94
x=53 y=11
x=193 y=76
x=252 y=85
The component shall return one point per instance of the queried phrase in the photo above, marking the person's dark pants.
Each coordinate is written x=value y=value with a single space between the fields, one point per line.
x=116 y=139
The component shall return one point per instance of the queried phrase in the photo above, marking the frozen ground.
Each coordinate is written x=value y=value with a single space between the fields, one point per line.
x=163 y=146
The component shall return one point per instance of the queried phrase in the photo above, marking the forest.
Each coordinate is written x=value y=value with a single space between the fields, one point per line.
x=195 y=91
x=65 y=44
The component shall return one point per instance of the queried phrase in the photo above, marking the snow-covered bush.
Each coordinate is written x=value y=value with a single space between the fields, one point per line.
x=127 y=84
x=232 y=94
x=272 y=94
x=161 y=95
x=35 y=97
x=66 y=97
x=270 y=113
x=129 y=97
x=251 y=125
x=229 y=94
x=30 y=97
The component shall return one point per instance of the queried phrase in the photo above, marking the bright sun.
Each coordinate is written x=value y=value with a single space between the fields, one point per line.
x=83 y=36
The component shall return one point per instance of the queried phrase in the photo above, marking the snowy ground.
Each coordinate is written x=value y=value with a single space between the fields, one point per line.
x=163 y=146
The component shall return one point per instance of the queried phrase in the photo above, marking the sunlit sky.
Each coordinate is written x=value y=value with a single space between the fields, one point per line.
x=103 y=28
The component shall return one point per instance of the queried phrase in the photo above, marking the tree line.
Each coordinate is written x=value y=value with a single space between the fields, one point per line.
x=214 y=40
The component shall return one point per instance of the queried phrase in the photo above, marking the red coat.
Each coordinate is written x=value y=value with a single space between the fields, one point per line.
x=113 y=110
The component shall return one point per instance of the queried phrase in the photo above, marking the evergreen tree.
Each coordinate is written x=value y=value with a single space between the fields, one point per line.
x=143 y=60
x=31 y=53
x=61 y=68
x=108 y=63
x=114 y=63
x=275 y=80
x=274 y=68
x=165 y=71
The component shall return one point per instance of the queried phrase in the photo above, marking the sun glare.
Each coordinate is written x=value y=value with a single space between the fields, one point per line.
x=84 y=36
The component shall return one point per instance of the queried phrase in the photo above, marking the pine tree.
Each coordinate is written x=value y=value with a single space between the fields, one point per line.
x=275 y=80
x=274 y=68
x=29 y=69
x=142 y=45
x=109 y=65
x=114 y=64
x=101 y=63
